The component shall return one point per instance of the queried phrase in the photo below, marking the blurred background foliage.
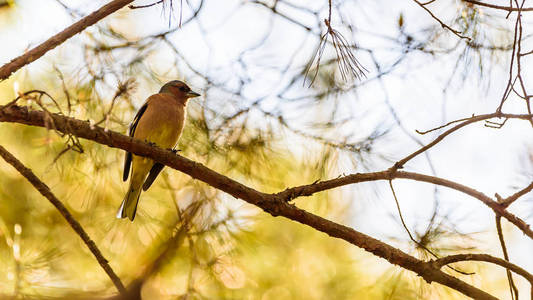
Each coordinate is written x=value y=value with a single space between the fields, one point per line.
x=258 y=122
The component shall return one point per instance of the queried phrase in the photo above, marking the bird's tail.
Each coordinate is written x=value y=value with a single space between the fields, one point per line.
x=129 y=204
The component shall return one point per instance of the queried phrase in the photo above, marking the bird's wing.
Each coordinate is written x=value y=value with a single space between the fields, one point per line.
x=133 y=126
x=156 y=169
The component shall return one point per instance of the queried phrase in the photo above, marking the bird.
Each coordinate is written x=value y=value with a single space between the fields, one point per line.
x=159 y=121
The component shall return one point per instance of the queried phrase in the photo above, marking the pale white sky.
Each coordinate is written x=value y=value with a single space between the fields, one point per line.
x=486 y=159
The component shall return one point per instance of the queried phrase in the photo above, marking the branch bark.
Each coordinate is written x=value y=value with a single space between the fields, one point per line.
x=500 y=7
x=486 y=258
x=271 y=203
x=47 y=193
x=35 y=53
x=310 y=189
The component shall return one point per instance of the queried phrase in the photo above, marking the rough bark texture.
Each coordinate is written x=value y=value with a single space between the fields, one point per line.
x=271 y=203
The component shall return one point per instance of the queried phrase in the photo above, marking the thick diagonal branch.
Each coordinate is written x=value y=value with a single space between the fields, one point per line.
x=35 y=53
x=47 y=193
x=271 y=203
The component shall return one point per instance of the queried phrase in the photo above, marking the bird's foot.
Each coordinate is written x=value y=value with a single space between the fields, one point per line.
x=151 y=143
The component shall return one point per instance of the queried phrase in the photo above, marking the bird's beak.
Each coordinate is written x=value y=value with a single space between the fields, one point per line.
x=192 y=94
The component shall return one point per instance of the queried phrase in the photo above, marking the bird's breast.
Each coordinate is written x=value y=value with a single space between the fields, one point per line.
x=161 y=125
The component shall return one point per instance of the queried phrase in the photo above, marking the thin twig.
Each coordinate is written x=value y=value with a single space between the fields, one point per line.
x=442 y=126
x=411 y=236
x=401 y=217
x=145 y=6
x=468 y=121
x=484 y=257
x=348 y=64
x=454 y=31
x=509 y=200
x=512 y=286
x=506 y=8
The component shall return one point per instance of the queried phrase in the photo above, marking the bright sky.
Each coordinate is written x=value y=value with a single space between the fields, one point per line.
x=489 y=160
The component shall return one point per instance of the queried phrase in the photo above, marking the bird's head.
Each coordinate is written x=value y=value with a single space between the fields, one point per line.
x=179 y=90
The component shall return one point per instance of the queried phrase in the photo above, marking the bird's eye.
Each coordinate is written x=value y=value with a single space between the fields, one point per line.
x=183 y=89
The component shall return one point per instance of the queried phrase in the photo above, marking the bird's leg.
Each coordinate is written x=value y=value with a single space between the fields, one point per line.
x=175 y=151
x=151 y=143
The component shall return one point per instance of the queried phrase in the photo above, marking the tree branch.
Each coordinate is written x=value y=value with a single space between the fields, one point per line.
x=512 y=287
x=271 y=203
x=509 y=200
x=484 y=257
x=310 y=189
x=35 y=53
x=454 y=31
x=506 y=8
x=466 y=121
x=47 y=193
x=18 y=114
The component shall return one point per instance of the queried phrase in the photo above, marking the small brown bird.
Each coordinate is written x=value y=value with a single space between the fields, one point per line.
x=160 y=121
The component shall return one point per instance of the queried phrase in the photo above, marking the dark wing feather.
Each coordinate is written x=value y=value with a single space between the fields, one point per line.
x=136 y=119
x=156 y=169
x=133 y=126
x=127 y=164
